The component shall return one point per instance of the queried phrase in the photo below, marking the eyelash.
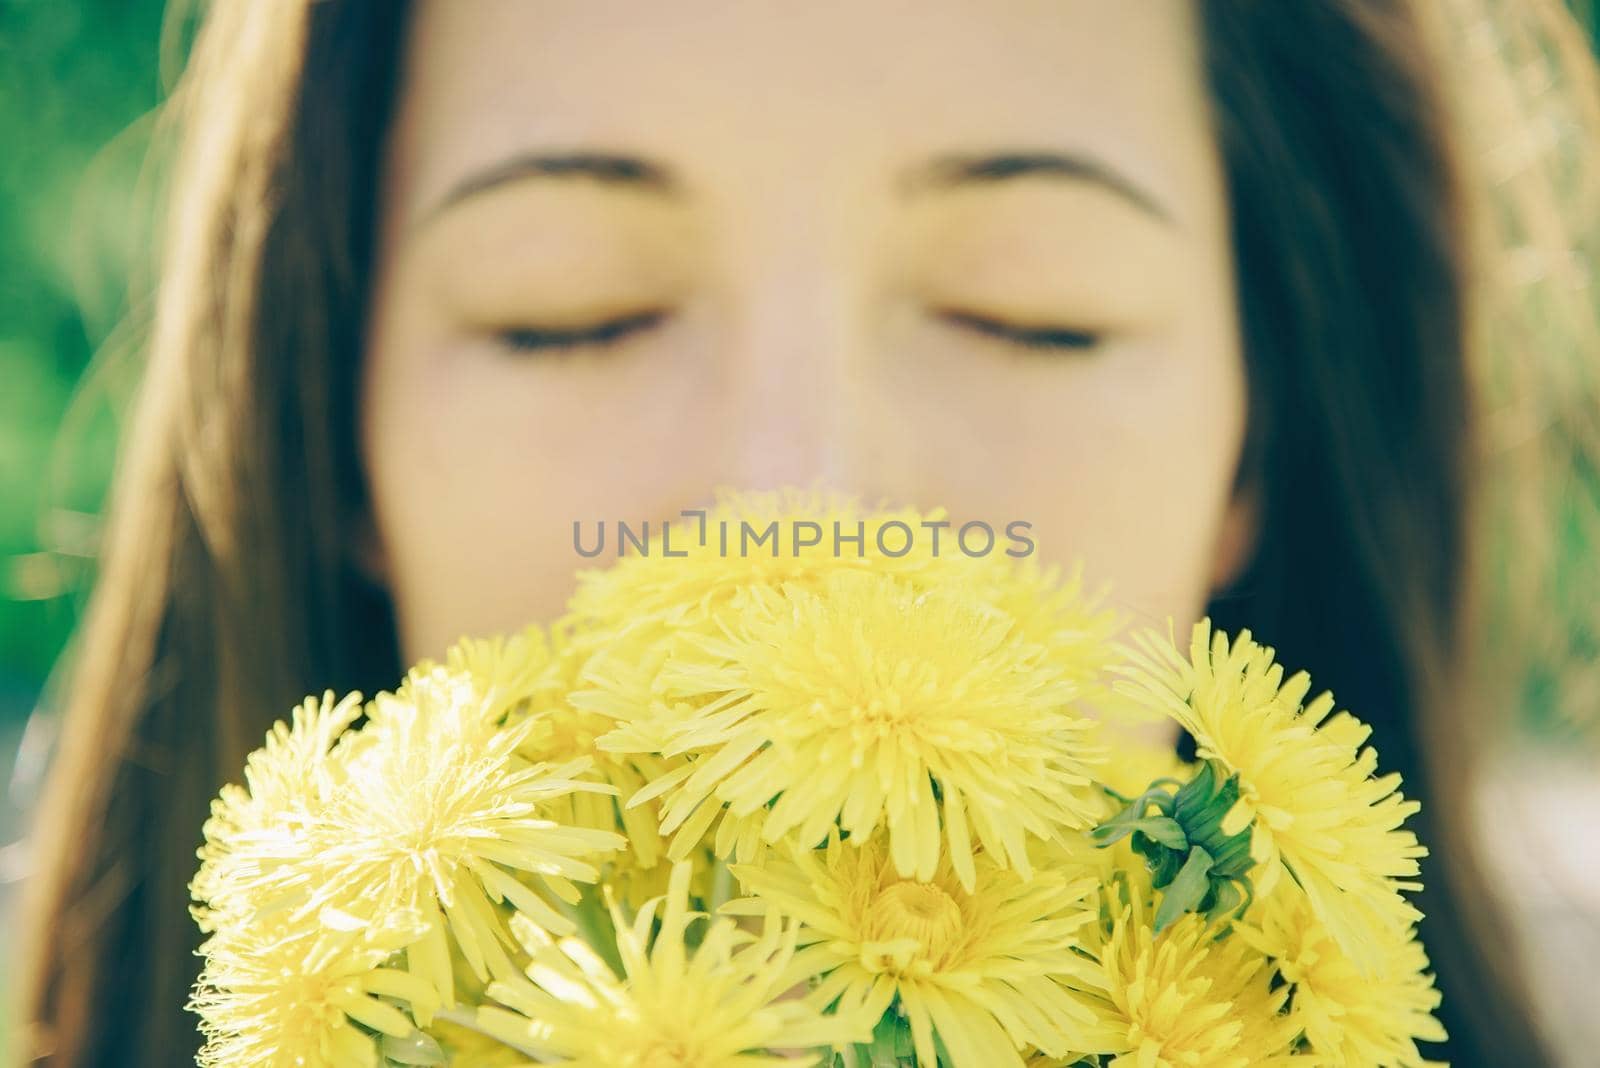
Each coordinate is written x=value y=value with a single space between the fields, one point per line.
x=529 y=339
x=599 y=335
x=1036 y=338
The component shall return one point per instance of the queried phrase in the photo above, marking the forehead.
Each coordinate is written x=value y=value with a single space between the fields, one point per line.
x=735 y=92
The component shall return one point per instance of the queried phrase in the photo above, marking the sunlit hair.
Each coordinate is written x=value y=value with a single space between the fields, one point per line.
x=1414 y=199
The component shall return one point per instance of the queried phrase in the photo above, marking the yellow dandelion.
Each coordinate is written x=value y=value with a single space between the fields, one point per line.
x=645 y=608
x=534 y=674
x=1052 y=609
x=291 y=775
x=654 y=610
x=723 y=1006
x=872 y=704
x=642 y=604
x=1306 y=784
x=1350 y=1019
x=276 y=995
x=983 y=975
x=429 y=811
x=1185 y=998
x=439 y=816
x=515 y=671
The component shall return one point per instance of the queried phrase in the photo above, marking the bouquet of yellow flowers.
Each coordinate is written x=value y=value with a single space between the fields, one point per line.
x=808 y=807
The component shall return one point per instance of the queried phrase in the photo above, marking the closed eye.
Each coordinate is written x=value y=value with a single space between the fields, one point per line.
x=1047 y=338
x=566 y=339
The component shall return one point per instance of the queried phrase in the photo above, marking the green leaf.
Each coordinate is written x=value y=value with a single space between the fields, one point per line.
x=1225 y=898
x=1164 y=829
x=1132 y=817
x=1186 y=891
x=891 y=1041
x=1164 y=864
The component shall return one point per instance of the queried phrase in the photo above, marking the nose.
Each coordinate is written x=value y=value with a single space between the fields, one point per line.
x=794 y=397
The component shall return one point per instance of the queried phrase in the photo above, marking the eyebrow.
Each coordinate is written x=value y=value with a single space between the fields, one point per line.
x=622 y=171
x=959 y=171
x=605 y=168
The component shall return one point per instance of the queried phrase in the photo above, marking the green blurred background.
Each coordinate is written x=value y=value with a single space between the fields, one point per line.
x=77 y=84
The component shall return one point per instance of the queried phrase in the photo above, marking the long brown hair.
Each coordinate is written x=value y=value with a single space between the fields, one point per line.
x=228 y=589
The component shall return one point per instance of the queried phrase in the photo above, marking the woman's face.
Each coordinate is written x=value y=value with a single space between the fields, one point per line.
x=945 y=253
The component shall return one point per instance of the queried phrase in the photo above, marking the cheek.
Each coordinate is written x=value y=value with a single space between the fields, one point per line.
x=1147 y=480
x=1124 y=460
x=480 y=463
